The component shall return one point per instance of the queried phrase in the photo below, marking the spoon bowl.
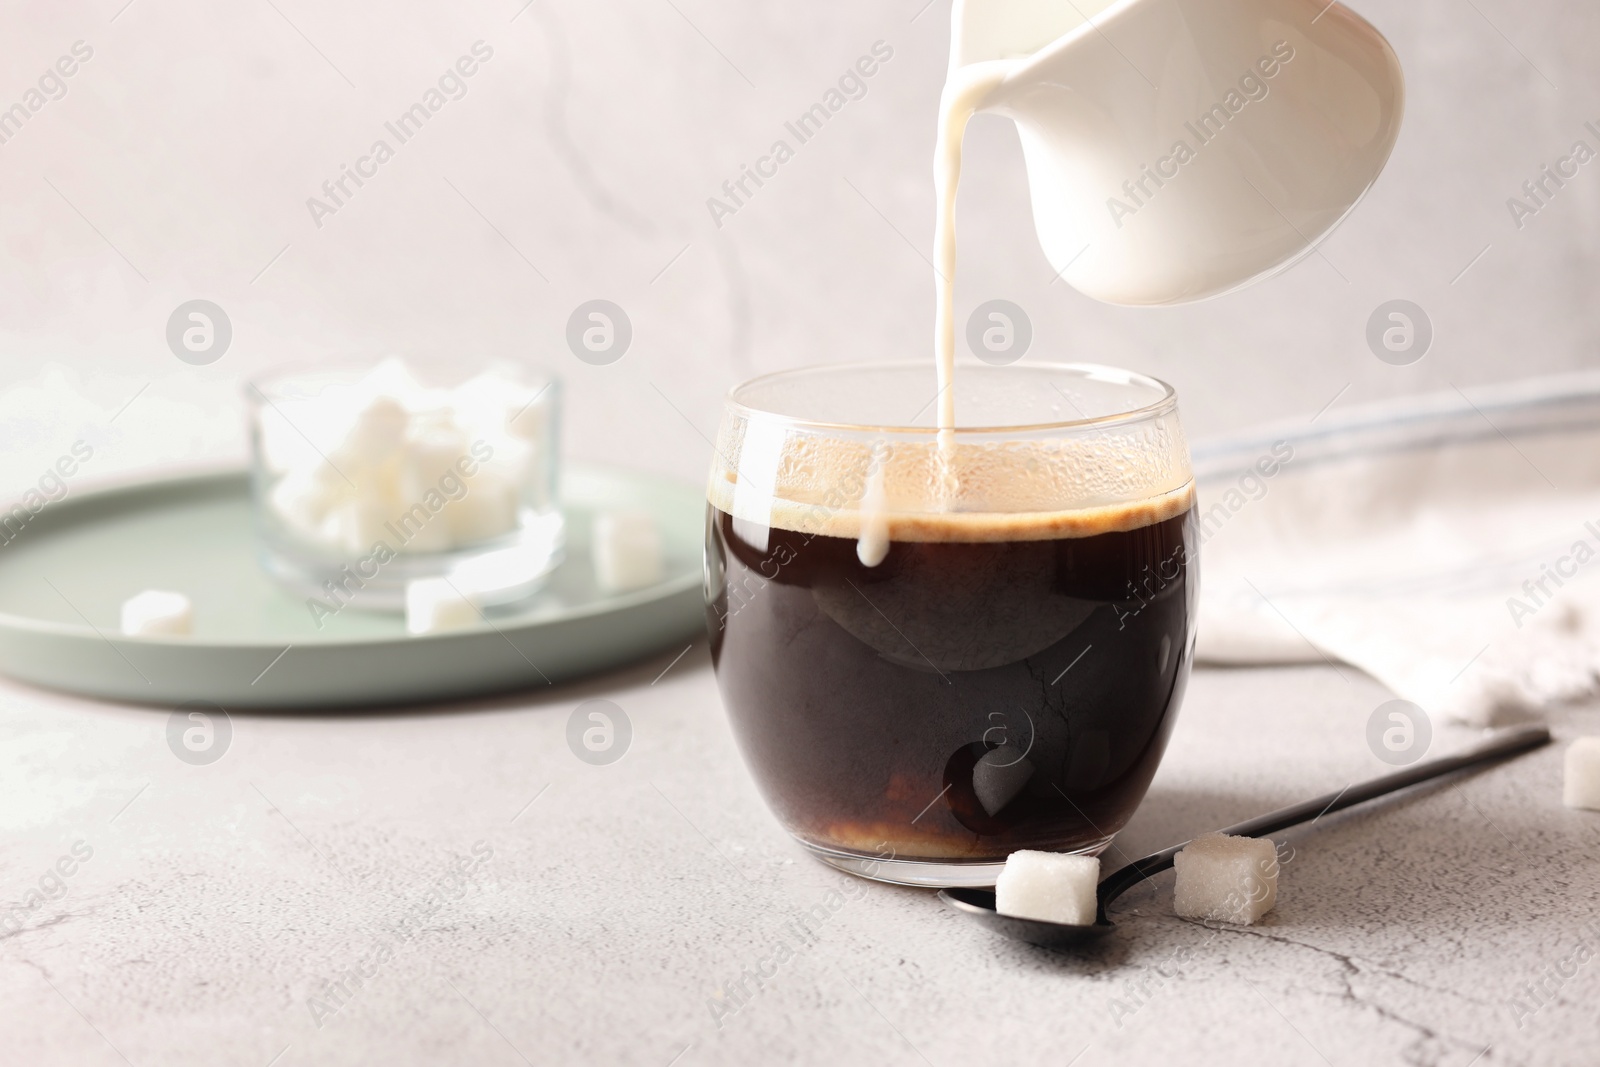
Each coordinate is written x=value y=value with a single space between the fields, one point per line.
x=979 y=904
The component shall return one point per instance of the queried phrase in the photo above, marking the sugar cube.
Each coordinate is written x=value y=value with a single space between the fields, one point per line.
x=999 y=776
x=304 y=497
x=626 y=551
x=1050 y=886
x=157 y=613
x=424 y=481
x=373 y=437
x=430 y=455
x=1581 y=785
x=355 y=525
x=434 y=605
x=1232 y=879
x=488 y=509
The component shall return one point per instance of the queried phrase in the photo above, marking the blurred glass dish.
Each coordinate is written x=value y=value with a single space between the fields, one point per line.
x=367 y=477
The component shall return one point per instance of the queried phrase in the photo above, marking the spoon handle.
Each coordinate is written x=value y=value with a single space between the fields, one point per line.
x=1501 y=745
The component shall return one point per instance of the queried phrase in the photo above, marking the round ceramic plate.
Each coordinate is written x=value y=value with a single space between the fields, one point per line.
x=64 y=576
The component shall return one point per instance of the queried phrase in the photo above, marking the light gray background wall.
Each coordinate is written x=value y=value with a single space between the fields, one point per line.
x=578 y=166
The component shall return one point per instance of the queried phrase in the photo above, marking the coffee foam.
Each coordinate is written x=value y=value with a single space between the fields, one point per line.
x=922 y=490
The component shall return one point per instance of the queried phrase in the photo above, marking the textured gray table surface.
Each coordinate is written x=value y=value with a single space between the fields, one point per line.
x=608 y=908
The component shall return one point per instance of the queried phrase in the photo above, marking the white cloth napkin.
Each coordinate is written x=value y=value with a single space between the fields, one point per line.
x=1449 y=546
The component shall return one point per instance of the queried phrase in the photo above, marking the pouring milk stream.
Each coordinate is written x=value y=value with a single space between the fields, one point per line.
x=1176 y=149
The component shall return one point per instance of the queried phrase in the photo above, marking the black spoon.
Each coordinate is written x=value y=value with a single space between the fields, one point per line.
x=979 y=903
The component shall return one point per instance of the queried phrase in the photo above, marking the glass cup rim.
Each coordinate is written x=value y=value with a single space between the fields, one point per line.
x=1166 y=403
x=271 y=382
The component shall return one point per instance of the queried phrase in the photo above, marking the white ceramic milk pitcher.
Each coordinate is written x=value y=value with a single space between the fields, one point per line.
x=1177 y=149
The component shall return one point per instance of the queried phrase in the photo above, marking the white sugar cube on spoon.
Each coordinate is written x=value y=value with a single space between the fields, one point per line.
x=157 y=613
x=1053 y=887
x=1231 y=879
x=1581 y=783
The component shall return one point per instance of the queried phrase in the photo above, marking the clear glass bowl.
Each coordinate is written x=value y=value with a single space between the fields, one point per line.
x=369 y=476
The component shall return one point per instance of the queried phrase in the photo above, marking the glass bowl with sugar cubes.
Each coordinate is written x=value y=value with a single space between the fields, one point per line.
x=371 y=478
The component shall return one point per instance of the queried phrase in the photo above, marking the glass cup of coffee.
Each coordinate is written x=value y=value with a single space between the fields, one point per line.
x=938 y=646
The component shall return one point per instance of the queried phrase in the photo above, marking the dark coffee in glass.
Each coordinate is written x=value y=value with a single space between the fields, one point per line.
x=925 y=665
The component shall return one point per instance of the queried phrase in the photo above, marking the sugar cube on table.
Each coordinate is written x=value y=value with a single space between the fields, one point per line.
x=434 y=605
x=1581 y=783
x=1053 y=887
x=626 y=550
x=157 y=613
x=1232 y=879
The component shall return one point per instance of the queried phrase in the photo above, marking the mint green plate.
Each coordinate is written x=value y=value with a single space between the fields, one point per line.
x=64 y=578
